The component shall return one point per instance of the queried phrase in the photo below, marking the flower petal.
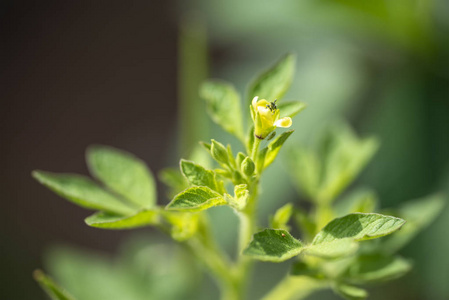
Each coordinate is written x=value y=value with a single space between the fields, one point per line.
x=284 y=122
x=254 y=102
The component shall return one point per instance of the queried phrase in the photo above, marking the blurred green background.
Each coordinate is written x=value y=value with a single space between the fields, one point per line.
x=381 y=65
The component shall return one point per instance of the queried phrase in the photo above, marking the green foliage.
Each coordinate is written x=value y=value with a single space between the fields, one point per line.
x=275 y=146
x=350 y=292
x=223 y=104
x=54 y=291
x=273 y=245
x=196 y=199
x=282 y=216
x=359 y=227
x=274 y=82
x=419 y=214
x=123 y=173
x=111 y=221
x=142 y=270
x=197 y=175
x=240 y=199
x=330 y=253
x=375 y=268
x=83 y=192
x=339 y=158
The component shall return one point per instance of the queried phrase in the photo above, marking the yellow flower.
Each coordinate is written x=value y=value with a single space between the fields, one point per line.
x=266 y=117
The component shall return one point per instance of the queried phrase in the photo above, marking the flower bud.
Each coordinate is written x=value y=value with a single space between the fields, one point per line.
x=248 y=166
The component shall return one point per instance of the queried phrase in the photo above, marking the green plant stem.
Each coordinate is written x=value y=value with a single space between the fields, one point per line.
x=295 y=287
x=205 y=249
x=255 y=149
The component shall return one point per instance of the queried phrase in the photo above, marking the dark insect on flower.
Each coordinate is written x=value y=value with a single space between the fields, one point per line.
x=272 y=106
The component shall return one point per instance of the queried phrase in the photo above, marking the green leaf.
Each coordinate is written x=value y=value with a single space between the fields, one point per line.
x=282 y=216
x=223 y=105
x=273 y=245
x=240 y=198
x=350 y=292
x=334 y=249
x=291 y=109
x=275 y=146
x=111 y=221
x=197 y=175
x=196 y=199
x=54 y=291
x=419 y=214
x=274 y=82
x=343 y=157
x=123 y=173
x=82 y=191
x=359 y=227
x=376 y=268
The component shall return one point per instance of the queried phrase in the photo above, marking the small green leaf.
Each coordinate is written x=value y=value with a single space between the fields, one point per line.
x=376 y=268
x=196 y=199
x=123 y=173
x=274 y=82
x=197 y=175
x=291 y=109
x=350 y=292
x=343 y=156
x=273 y=245
x=240 y=198
x=110 y=221
x=231 y=156
x=359 y=227
x=275 y=146
x=219 y=153
x=82 y=191
x=54 y=291
x=206 y=146
x=223 y=105
x=282 y=216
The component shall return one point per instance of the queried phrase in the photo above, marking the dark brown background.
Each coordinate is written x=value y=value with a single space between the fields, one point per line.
x=75 y=73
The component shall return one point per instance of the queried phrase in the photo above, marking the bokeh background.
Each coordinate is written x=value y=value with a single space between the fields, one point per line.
x=125 y=73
